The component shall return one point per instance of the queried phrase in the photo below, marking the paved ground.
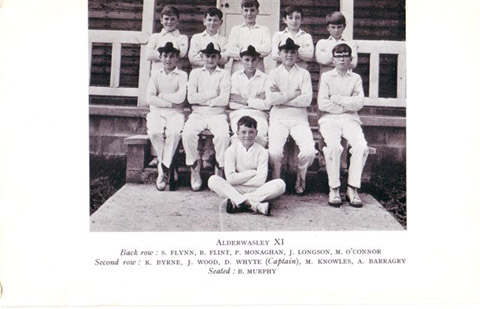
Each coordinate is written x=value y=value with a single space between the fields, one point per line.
x=137 y=207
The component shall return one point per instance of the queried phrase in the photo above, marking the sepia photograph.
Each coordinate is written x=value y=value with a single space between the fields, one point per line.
x=166 y=153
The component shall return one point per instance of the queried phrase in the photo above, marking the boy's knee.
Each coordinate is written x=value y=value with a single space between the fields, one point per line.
x=275 y=154
x=214 y=181
x=332 y=150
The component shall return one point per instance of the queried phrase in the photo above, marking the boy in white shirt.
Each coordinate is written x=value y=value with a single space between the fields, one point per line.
x=212 y=21
x=246 y=169
x=340 y=97
x=169 y=20
x=248 y=94
x=336 y=23
x=166 y=92
x=292 y=16
x=208 y=94
x=290 y=95
x=249 y=33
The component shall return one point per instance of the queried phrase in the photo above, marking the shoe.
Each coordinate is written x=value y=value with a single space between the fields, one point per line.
x=162 y=178
x=231 y=208
x=154 y=162
x=300 y=185
x=353 y=198
x=334 y=197
x=263 y=208
x=195 y=177
x=219 y=172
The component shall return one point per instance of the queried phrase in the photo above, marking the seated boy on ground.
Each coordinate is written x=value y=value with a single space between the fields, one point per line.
x=246 y=169
x=212 y=21
x=166 y=93
x=208 y=94
x=248 y=94
x=290 y=95
x=340 y=97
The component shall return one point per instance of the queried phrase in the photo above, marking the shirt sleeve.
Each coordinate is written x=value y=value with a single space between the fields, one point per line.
x=322 y=55
x=233 y=50
x=195 y=97
x=266 y=43
x=275 y=98
x=178 y=97
x=224 y=96
x=151 y=53
x=324 y=102
x=354 y=102
x=305 y=52
x=182 y=42
x=223 y=55
x=305 y=98
x=259 y=103
x=275 y=40
x=261 y=172
x=231 y=174
x=153 y=97
x=235 y=90
x=194 y=53
x=354 y=47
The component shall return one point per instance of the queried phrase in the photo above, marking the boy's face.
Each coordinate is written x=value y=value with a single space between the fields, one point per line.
x=342 y=61
x=250 y=63
x=212 y=23
x=250 y=14
x=335 y=31
x=246 y=136
x=169 y=60
x=293 y=21
x=169 y=22
x=289 y=57
x=210 y=60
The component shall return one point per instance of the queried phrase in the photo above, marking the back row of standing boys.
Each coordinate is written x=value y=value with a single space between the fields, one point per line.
x=286 y=92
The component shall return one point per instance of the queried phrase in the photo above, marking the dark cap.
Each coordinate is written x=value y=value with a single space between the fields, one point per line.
x=168 y=48
x=210 y=49
x=249 y=51
x=288 y=44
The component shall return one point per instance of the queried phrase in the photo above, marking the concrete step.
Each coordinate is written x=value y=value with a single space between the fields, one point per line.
x=137 y=207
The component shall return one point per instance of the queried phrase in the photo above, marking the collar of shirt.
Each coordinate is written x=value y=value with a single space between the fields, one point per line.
x=299 y=33
x=330 y=38
x=258 y=73
x=336 y=73
x=205 y=33
x=254 y=26
x=175 y=32
x=295 y=67
x=217 y=69
x=175 y=71
x=242 y=148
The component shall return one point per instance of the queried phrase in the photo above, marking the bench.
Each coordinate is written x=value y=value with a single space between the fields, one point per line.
x=139 y=155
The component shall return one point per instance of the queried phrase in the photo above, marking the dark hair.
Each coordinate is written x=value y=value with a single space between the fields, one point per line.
x=247 y=121
x=342 y=48
x=213 y=11
x=170 y=10
x=336 y=18
x=290 y=10
x=249 y=4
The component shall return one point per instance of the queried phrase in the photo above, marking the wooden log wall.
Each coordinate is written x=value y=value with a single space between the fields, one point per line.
x=374 y=20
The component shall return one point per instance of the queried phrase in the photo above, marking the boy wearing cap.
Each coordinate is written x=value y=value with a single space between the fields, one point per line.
x=169 y=20
x=166 y=93
x=292 y=16
x=248 y=94
x=290 y=95
x=212 y=21
x=336 y=23
x=246 y=169
x=340 y=97
x=208 y=94
x=249 y=33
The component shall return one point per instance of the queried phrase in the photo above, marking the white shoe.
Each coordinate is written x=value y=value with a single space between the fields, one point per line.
x=334 y=197
x=353 y=198
x=195 y=178
x=263 y=208
x=162 y=178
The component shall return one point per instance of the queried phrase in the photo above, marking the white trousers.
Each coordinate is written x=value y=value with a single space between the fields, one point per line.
x=332 y=131
x=239 y=194
x=301 y=133
x=163 y=129
x=196 y=123
x=262 y=128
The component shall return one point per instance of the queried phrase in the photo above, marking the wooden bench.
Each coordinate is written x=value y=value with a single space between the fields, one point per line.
x=139 y=155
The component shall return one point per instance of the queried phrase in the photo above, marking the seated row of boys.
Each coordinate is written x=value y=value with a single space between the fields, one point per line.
x=287 y=91
x=249 y=33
